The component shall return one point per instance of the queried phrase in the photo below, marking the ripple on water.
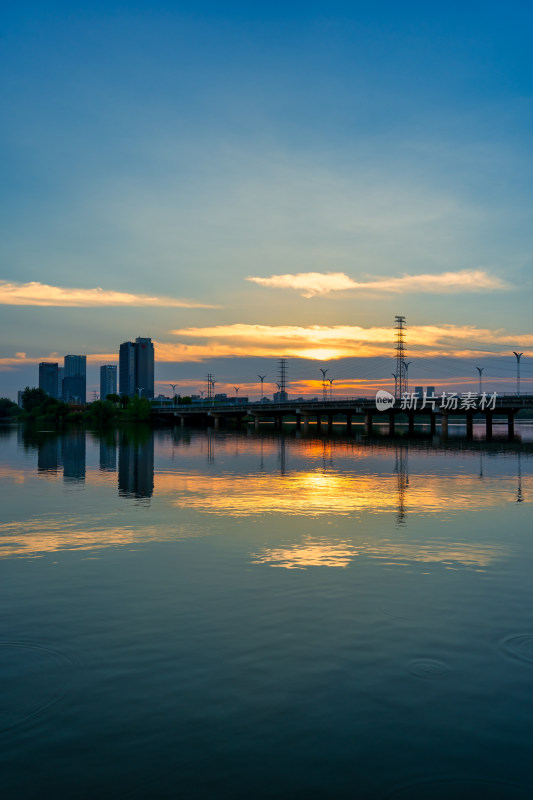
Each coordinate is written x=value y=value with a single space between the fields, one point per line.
x=428 y=668
x=33 y=680
x=519 y=646
x=473 y=789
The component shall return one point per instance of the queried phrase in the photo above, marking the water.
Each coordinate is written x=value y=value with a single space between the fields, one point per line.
x=230 y=615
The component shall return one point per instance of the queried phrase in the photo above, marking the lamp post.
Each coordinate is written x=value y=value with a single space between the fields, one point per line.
x=324 y=384
x=173 y=387
x=518 y=357
x=480 y=370
x=261 y=378
x=140 y=391
x=331 y=388
x=406 y=365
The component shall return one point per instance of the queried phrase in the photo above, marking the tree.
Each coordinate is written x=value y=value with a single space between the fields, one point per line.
x=8 y=408
x=101 y=412
x=33 y=398
x=113 y=398
x=139 y=409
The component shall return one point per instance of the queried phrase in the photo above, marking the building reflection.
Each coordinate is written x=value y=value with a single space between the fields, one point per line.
x=136 y=466
x=108 y=452
x=73 y=455
x=48 y=458
x=66 y=451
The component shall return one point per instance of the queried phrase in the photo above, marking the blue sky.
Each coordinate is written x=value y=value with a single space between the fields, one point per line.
x=176 y=150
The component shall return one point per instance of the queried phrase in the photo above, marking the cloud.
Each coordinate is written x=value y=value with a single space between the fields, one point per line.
x=41 y=294
x=310 y=284
x=317 y=342
x=323 y=343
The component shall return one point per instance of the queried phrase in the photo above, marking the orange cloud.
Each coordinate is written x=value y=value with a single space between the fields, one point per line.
x=324 y=343
x=41 y=294
x=310 y=284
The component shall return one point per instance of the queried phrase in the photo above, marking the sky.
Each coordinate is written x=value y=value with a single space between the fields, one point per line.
x=245 y=181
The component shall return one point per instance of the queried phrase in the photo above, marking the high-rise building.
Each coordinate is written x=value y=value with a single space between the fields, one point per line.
x=75 y=379
x=108 y=380
x=144 y=367
x=136 y=367
x=48 y=372
x=126 y=368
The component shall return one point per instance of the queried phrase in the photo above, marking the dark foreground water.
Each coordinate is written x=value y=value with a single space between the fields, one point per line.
x=223 y=615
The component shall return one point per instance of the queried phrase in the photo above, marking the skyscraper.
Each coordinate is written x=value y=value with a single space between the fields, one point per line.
x=136 y=367
x=144 y=366
x=108 y=380
x=126 y=368
x=48 y=377
x=75 y=379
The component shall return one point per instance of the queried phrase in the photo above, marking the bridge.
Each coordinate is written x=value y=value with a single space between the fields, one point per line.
x=304 y=412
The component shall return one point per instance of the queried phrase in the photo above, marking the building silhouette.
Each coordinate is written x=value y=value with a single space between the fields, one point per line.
x=75 y=379
x=48 y=377
x=136 y=367
x=108 y=380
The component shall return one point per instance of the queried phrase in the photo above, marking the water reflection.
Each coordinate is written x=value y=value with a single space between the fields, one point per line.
x=228 y=476
x=136 y=465
x=67 y=452
x=108 y=452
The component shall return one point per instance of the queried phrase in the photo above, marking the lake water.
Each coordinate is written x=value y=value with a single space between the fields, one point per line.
x=199 y=614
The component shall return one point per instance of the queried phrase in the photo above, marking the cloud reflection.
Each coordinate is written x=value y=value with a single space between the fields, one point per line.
x=312 y=552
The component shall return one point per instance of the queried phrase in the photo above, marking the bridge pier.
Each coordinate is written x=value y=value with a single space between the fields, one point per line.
x=182 y=422
x=318 y=422
x=368 y=423
x=306 y=423
x=469 y=425
x=257 y=422
x=488 y=425
x=348 y=423
x=298 y=421
x=411 y=428
x=217 y=423
x=444 y=425
x=432 y=423
x=391 y=423
x=330 y=423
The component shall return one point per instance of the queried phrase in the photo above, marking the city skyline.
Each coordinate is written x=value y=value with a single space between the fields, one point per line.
x=248 y=183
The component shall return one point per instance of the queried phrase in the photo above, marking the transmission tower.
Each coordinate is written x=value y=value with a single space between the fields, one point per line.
x=400 y=385
x=210 y=385
x=282 y=375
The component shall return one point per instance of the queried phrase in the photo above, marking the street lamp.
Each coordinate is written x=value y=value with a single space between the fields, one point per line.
x=261 y=378
x=518 y=357
x=140 y=391
x=480 y=370
x=324 y=384
x=406 y=366
x=331 y=388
